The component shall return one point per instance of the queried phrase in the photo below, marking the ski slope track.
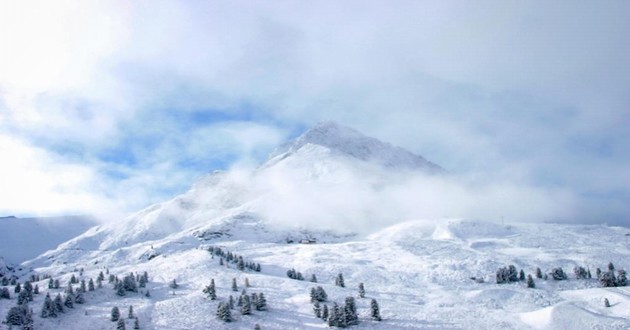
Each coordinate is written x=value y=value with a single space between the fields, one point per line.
x=419 y=270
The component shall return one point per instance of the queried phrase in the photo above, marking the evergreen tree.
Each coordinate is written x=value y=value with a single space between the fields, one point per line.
x=231 y=302
x=258 y=268
x=221 y=261
x=4 y=293
x=223 y=312
x=317 y=310
x=608 y=279
x=247 y=282
x=606 y=302
x=79 y=298
x=173 y=284
x=120 y=289
x=580 y=272
x=130 y=313
x=147 y=294
x=299 y=276
x=261 y=302
x=350 y=312
x=18 y=288
x=90 y=285
x=333 y=318
x=129 y=283
x=69 y=301
x=374 y=310
x=538 y=273
x=73 y=279
x=121 y=324
x=101 y=276
x=56 y=284
x=50 y=283
x=558 y=274
x=82 y=288
x=246 y=307
x=530 y=282
x=36 y=289
x=621 y=278
x=240 y=264
x=210 y=290
x=136 y=324
x=69 y=289
x=234 y=286
x=257 y=326
x=325 y=313
x=48 y=308
x=361 y=290
x=115 y=314
x=58 y=304
x=22 y=297
x=611 y=267
x=521 y=275
x=598 y=273
x=313 y=278
x=13 y=281
x=19 y=315
x=339 y=281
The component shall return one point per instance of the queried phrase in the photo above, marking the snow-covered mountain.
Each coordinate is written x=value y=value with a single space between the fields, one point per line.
x=224 y=204
x=322 y=190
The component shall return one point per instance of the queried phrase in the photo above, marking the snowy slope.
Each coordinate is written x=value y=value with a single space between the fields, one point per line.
x=419 y=271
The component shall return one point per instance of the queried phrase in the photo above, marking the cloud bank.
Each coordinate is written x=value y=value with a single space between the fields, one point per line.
x=124 y=95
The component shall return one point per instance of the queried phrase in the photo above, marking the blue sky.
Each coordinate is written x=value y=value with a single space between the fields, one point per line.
x=109 y=106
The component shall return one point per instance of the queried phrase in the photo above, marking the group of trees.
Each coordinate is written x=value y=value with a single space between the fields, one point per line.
x=607 y=279
x=245 y=302
x=341 y=316
x=120 y=321
x=292 y=273
x=227 y=257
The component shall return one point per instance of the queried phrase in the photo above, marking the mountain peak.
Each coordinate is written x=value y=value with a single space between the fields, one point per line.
x=343 y=140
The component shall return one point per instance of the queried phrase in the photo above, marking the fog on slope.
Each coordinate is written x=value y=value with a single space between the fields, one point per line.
x=353 y=202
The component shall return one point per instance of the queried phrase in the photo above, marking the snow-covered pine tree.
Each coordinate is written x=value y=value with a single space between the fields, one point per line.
x=73 y=279
x=350 y=312
x=257 y=326
x=611 y=267
x=622 y=280
x=51 y=283
x=56 y=284
x=521 y=275
x=234 y=286
x=4 y=293
x=173 y=284
x=339 y=281
x=261 y=303
x=36 y=289
x=246 y=306
x=317 y=309
x=580 y=272
x=115 y=314
x=558 y=274
x=82 y=287
x=130 y=313
x=606 y=302
x=361 y=290
x=240 y=264
x=333 y=318
x=375 y=312
x=58 y=303
x=530 y=282
x=120 y=289
x=22 y=297
x=90 y=285
x=223 y=312
x=539 y=273
x=101 y=276
x=313 y=278
x=247 y=282
x=258 y=268
x=136 y=324
x=69 y=300
x=17 y=316
x=231 y=302
x=325 y=312
x=79 y=298
x=17 y=288
x=69 y=289
x=48 y=308
x=120 y=325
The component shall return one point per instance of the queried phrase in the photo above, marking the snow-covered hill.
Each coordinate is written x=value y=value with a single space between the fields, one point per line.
x=312 y=207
